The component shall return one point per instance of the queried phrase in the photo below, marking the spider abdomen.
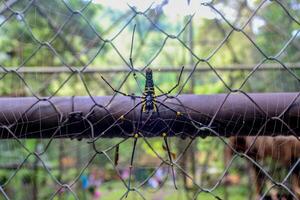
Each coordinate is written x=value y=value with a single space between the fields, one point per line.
x=149 y=94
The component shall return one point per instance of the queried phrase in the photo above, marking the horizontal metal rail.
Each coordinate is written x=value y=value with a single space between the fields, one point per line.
x=123 y=69
x=121 y=116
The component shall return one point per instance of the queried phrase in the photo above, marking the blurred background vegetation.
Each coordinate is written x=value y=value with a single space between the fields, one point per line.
x=44 y=40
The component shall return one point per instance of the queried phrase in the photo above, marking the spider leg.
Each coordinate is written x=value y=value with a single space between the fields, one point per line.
x=183 y=116
x=170 y=158
x=117 y=91
x=131 y=47
x=130 y=58
x=116 y=161
x=121 y=118
x=175 y=86
x=168 y=148
x=155 y=108
x=143 y=108
x=131 y=160
x=178 y=113
x=136 y=135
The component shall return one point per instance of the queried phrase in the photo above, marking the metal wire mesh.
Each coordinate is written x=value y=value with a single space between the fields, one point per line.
x=76 y=42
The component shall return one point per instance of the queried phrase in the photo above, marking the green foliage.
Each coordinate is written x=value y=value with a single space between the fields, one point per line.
x=75 y=43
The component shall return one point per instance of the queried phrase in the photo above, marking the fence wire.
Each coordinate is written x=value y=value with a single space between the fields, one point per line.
x=138 y=167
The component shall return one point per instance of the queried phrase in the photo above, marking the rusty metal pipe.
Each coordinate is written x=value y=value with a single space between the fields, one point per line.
x=84 y=117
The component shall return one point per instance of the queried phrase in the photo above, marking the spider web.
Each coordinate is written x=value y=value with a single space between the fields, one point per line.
x=137 y=142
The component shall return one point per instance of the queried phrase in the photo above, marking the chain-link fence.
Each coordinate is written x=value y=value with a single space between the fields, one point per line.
x=96 y=103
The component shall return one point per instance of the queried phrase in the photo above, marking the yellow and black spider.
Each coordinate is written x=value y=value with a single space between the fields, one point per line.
x=149 y=104
x=149 y=99
x=149 y=93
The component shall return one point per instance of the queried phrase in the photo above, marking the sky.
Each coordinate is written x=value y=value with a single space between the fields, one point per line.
x=173 y=9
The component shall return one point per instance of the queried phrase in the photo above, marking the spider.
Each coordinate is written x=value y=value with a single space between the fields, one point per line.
x=149 y=93
x=149 y=104
x=149 y=101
